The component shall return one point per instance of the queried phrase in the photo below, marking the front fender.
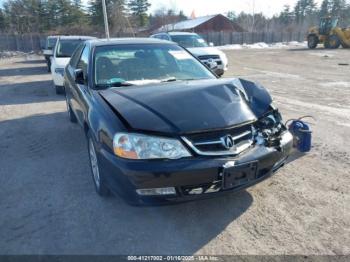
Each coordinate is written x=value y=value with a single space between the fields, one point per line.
x=256 y=95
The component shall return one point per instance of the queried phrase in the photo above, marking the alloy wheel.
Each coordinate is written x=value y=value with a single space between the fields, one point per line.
x=94 y=164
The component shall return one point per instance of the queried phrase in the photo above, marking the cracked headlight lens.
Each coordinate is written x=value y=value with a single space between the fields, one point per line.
x=138 y=146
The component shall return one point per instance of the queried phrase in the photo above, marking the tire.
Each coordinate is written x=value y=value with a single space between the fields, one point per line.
x=59 y=90
x=312 y=41
x=333 y=42
x=48 y=63
x=100 y=187
x=326 y=44
x=71 y=114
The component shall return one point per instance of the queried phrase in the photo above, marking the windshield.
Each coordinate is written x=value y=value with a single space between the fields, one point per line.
x=65 y=48
x=51 y=43
x=189 y=41
x=145 y=63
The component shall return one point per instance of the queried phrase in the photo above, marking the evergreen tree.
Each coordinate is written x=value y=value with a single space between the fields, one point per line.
x=339 y=6
x=139 y=10
x=2 y=21
x=303 y=9
x=325 y=8
x=116 y=12
x=286 y=16
x=231 y=15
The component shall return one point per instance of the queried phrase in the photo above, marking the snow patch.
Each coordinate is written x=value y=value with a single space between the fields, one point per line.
x=275 y=74
x=335 y=84
x=262 y=45
x=9 y=54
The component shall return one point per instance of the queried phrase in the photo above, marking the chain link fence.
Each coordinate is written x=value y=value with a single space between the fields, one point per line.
x=35 y=42
x=23 y=43
x=228 y=38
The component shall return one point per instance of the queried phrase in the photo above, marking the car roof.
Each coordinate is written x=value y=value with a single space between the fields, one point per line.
x=76 y=37
x=181 y=33
x=127 y=41
x=53 y=36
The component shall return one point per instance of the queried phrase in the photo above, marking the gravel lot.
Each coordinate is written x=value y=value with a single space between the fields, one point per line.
x=47 y=199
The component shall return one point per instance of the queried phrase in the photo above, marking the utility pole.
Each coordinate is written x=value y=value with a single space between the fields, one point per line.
x=105 y=18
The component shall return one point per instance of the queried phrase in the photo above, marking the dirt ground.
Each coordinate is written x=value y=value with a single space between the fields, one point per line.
x=47 y=199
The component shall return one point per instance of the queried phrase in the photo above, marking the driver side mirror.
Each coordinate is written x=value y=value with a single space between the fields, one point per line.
x=79 y=76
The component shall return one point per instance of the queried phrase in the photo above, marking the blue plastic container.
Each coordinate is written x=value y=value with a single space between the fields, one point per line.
x=302 y=135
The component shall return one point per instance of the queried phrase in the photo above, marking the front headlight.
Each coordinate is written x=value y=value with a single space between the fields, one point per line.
x=223 y=58
x=59 y=71
x=137 y=146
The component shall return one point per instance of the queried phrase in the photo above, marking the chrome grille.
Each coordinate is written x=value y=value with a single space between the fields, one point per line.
x=215 y=58
x=206 y=57
x=213 y=144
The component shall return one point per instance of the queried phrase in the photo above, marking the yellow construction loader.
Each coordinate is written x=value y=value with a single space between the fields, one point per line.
x=329 y=33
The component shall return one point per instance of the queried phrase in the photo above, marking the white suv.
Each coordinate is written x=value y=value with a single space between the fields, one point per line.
x=64 y=49
x=199 y=48
x=48 y=50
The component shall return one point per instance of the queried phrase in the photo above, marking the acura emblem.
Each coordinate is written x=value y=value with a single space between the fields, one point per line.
x=228 y=142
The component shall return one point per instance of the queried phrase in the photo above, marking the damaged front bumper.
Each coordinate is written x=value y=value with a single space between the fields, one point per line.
x=193 y=178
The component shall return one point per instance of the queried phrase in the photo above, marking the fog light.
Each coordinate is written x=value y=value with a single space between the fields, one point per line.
x=196 y=191
x=156 y=191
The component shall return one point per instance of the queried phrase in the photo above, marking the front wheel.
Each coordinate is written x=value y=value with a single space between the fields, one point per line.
x=333 y=42
x=100 y=186
x=312 y=41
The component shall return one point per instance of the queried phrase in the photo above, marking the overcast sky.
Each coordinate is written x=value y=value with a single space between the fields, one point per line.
x=209 y=7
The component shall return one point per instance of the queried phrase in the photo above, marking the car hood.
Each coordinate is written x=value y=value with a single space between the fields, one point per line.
x=61 y=62
x=184 y=106
x=198 y=51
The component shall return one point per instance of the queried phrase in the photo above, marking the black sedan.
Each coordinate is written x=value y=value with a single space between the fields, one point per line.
x=161 y=127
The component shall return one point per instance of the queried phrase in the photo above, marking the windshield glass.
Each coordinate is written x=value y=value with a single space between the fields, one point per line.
x=189 y=40
x=145 y=63
x=65 y=48
x=51 y=43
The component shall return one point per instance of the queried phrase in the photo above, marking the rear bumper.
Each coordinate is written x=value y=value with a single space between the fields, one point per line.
x=125 y=176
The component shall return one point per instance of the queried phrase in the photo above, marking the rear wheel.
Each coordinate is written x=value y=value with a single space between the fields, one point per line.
x=312 y=41
x=333 y=42
x=59 y=90
x=98 y=180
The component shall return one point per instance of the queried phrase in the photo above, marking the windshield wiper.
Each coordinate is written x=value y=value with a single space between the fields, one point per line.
x=119 y=84
x=116 y=84
x=170 y=79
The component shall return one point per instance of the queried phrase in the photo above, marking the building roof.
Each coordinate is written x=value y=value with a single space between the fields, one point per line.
x=186 y=25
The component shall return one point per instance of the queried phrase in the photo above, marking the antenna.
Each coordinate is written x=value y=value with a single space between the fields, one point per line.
x=105 y=18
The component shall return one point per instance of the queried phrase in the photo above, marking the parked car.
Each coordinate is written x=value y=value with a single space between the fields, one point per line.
x=63 y=51
x=199 y=47
x=161 y=127
x=48 y=50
